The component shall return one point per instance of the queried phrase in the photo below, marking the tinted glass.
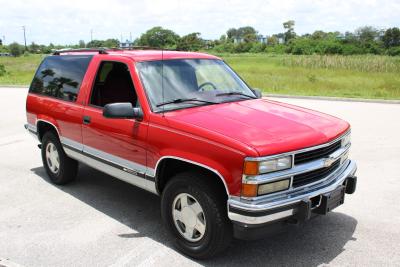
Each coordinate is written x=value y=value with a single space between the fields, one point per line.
x=60 y=76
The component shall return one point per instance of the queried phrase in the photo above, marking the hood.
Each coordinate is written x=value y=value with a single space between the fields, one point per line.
x=269 y=127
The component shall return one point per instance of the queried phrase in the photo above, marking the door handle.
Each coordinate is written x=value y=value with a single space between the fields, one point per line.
x=86 y=119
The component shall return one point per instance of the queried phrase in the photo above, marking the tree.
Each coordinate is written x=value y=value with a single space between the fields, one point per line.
x=289 y=27
x=111 y=43
x=159 y=37
x=95 y=43
x=318 y=35
x=15 y=49
x=81 y=44
x=248 y=34
x=34 y=48
x=367 y=34
x=272 y=40
x=191 y=42
x=232 y=33
x=391 y=37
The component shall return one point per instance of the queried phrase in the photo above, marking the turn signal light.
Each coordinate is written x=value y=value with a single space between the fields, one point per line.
x=250 y=168
x=249 y=190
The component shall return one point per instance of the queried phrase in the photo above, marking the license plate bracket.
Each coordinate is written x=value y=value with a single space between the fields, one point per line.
x=331 y=200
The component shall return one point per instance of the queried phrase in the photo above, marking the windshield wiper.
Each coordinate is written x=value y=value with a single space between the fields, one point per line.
x=183 y=100
x=236 y=93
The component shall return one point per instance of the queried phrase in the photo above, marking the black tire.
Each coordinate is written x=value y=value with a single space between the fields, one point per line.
x=68 y=168
x=218 y=233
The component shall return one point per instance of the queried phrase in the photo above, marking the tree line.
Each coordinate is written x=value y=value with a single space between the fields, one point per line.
x=364 y=40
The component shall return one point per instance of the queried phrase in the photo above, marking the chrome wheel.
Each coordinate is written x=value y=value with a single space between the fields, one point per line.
x=52 y=158
x=188 y=217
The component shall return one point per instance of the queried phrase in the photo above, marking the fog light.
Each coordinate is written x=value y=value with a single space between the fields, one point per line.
x=273 y=187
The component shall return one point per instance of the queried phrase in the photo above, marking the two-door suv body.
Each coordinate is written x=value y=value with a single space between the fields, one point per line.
x=226 y=162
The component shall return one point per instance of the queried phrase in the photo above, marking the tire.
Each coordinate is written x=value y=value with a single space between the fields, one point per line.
x=63 y=170
x=194 y=186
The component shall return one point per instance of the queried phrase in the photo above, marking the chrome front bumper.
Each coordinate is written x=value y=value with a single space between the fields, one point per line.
x=285 y=205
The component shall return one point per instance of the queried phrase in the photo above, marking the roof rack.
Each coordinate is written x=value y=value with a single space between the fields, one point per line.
x=142 y=48
x=101 y=50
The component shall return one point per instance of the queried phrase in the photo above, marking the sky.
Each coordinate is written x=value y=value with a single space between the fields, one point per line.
x=67 y=22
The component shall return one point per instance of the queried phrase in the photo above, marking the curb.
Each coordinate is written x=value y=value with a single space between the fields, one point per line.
x=331 y=98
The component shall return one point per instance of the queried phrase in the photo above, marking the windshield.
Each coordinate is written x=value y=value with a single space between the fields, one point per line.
x=190 y=82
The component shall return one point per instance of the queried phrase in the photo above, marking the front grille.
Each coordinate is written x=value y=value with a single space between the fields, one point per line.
x=316 y=153
x=313 y=176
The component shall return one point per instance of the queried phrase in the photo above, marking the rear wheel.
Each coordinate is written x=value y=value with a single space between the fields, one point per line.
x=59 y=167
x=195 y=214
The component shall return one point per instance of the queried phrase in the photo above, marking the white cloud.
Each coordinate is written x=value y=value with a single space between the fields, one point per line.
x=66 y=22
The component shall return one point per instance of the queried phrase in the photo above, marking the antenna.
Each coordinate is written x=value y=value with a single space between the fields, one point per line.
x=162 y=78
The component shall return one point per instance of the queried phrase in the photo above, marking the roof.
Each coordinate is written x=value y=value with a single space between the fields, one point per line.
x=145 y=55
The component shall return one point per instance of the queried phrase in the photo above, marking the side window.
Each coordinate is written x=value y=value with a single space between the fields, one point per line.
x=60 y=76
x=113 y=84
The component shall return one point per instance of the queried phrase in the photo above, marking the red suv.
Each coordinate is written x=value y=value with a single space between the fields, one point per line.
x=226 y=162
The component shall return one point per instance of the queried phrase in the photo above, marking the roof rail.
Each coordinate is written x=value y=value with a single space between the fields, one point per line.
x=100 y=50
x=142 y=48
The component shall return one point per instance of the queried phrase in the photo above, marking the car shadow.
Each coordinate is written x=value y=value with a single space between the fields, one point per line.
x=317 y=242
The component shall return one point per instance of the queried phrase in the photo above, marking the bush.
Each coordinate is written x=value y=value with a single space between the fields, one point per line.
x=224 y=47
x=275 y=49
x=2 y=70
x=329 y=47
x=351 y=49
x=242 y=47
x=257 y=48
x=301 y=46
x=394 y=51
x=15 y=49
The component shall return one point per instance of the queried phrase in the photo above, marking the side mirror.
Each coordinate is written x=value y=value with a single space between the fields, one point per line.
x=257 y=92
x=122 y=111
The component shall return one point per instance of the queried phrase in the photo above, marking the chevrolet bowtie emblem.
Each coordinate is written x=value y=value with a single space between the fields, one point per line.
x=328 y=161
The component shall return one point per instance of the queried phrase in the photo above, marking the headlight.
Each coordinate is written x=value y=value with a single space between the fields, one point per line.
x=346 y=140
x=266 y=166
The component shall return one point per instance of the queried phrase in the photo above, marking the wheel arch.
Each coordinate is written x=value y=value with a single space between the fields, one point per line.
x=43 y=126
x=167 y=166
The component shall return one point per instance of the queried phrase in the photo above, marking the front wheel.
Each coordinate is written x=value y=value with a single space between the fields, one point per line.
x=195 y=214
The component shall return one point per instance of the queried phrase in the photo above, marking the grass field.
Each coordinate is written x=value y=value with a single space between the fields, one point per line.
x=343 y=76
x=20 y=70
x=308 y=75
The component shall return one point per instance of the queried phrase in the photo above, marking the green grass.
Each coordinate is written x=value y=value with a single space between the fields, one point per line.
x=343 y=76
x=283 y=75
x=20 y=70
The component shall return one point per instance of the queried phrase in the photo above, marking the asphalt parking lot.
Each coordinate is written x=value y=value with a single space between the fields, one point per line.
x=100 y=221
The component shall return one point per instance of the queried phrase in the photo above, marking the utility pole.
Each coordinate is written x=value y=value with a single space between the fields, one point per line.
x=23 y=28
x=4 y=40
x=130 y=37
x=91 y=35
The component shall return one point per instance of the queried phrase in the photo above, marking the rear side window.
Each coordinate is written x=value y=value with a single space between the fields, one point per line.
x=60 y=76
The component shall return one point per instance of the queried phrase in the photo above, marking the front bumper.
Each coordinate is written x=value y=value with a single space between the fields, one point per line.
x=296 y=204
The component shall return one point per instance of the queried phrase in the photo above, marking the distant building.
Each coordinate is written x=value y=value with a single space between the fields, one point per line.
x=262 y=39
x=5 y=55
x=126 y=44
x=238 y=40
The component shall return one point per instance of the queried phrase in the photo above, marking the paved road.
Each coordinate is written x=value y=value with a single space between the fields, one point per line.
x=100 y=221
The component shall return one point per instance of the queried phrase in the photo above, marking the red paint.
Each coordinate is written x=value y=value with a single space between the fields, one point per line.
x=218 y=136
